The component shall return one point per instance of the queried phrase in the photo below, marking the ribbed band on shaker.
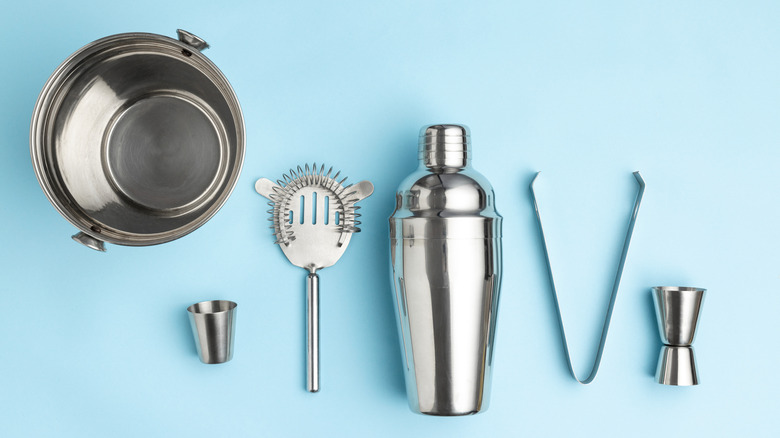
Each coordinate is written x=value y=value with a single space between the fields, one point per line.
x=445 y=146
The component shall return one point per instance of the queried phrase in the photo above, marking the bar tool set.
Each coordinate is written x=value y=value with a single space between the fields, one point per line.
x=445 y=244
x=138 y=139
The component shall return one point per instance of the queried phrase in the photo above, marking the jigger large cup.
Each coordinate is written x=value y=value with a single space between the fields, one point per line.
x=213 y=325
x=678 y=311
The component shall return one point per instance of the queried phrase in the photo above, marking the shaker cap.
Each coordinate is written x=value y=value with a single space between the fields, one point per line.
x=445 y=146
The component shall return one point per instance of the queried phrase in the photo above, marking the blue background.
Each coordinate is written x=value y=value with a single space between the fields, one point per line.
x=686 y=92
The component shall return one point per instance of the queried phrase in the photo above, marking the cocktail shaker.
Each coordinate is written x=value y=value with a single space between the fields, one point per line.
x=445 y=244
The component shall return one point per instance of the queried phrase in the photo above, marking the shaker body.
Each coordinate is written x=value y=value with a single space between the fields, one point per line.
x=446 y=294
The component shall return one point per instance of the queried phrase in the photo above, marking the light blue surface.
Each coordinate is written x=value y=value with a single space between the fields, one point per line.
x=97 y=345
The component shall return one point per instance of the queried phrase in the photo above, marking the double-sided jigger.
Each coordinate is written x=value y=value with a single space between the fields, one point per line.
x=213 y=325
x=678 y=311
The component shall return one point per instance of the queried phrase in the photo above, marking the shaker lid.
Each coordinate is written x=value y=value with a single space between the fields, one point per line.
x=445 y=146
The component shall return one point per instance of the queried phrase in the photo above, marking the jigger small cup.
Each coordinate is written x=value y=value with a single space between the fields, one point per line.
x=677 y=309
x=213 y=326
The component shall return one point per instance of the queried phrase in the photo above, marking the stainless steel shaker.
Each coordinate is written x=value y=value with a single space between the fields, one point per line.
x=445 y=244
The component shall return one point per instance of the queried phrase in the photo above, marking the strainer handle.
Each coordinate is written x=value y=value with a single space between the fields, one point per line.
x=313 y=332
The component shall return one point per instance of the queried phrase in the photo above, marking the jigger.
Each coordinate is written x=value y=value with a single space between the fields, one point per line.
x=678 y=311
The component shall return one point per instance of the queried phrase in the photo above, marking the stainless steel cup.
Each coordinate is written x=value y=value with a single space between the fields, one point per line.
x=678 y=310
x=213 y=325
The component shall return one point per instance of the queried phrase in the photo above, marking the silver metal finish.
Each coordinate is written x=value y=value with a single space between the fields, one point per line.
x=213 y=326
x=191 y=39
x=615 y=286
x=678 y=310
x=445 y=244
x=89 y=241
x=313 y=332
x=677 y=366
x=678 y=313
x=137 y=139
x=313 y=216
